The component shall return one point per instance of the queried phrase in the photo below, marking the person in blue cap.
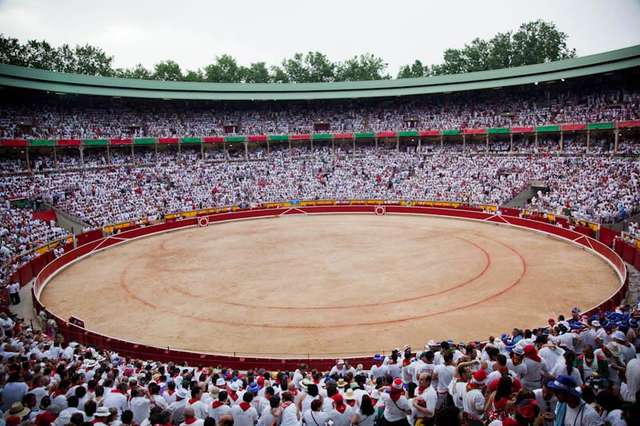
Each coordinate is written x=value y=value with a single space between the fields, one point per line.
x=571 y=409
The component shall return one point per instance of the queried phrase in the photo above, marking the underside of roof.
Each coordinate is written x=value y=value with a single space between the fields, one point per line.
x=36 y=79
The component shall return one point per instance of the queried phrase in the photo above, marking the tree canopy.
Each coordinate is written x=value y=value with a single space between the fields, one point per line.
x=533 y=43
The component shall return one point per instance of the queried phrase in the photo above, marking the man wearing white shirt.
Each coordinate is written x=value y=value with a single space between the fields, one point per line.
x=565 y=338
x=14 y=292
x=473 y=401
x=139 y=405
x=220 y=407
x=190 y=419
x=65 y=415
x=156 y=399
x=199 y=409
x=426 y=399
x=377 y=369
x=243 y=413
x=551 y=354
x=423 y=365
x=116 y=398
x=396 y=406
x=442 y=376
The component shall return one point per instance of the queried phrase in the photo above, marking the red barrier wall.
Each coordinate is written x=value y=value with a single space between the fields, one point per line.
x=86 y=237
x=628 y=252
x=608 y=235
x=72 y=332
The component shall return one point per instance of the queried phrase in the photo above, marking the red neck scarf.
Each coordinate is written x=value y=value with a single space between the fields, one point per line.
x=216 y=404
x=245 y=405
x=471 y=386
x=193 y=401
x=189 y=420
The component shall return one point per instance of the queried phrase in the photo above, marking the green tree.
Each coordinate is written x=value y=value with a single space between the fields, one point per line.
x=454 y=63
x=278 y=75
x=539 y=41
x=40 y=54
x=167 y=70
x=533 y=43
x=414 y=70
x=11 y=51
x=314 y=67
x=224 y=70
x=139 y=72
x=320 y=68
x=362 y=67
x=500 y=51
x=194 y=75
x=66 y=60
x=256 y=73
x=92 y=60
x=295 y=69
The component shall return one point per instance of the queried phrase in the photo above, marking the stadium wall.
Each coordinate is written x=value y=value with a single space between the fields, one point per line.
x=94 y=242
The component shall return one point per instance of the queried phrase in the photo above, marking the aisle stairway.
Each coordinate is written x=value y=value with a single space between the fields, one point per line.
x=521 y=200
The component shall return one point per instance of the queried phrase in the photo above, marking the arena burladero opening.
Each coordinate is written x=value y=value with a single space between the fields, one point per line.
x=259 y=225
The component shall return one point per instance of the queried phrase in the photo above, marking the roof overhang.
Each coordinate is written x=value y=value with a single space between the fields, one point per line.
x=36 y=79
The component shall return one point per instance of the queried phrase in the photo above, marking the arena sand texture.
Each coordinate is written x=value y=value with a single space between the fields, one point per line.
x=331 y=285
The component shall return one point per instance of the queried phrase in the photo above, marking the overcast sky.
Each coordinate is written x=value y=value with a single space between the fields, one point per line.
x=194 y=32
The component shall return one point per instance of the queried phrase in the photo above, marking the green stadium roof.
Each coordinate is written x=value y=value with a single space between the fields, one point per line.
x=29 y=78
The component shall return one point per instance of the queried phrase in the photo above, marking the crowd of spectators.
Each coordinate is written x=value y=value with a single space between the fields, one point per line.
x=602 y=189
x=55 y=117
x=580 y=370
x=20 y=235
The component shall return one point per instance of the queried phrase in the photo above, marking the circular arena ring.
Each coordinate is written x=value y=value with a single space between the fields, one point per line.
x=316 y=283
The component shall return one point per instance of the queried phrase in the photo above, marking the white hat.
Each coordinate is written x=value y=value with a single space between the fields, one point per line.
x=340 y=361
x=102 y=412
x=234 y=386
x=220 y=382
x=595 y=323
x=619 y=335
x=182 y=393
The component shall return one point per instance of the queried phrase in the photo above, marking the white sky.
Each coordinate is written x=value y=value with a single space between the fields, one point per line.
x=194 y=32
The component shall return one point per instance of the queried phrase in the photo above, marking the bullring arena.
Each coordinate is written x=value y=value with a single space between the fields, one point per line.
x=292 y=284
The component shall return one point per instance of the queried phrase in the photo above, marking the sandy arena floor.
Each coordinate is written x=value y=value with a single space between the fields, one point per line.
x=328 y=285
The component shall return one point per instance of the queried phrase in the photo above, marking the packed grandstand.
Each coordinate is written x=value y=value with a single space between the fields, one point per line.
x=105 y=161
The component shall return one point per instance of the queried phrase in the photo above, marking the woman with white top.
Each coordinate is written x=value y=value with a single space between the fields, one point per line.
x=314 y=416
x=365 y=415
x=567 y=368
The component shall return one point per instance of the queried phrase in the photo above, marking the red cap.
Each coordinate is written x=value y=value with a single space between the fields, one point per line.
x=480 y=375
